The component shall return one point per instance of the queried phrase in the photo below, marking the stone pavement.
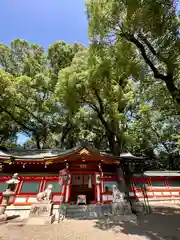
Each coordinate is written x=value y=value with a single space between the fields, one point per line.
x=67 y=230
x=150 y=227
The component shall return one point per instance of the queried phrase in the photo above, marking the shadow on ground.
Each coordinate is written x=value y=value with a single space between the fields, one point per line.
x=162 y=224
x=13 y=217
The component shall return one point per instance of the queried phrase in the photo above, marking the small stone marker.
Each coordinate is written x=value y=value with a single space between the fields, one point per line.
x=41 y=212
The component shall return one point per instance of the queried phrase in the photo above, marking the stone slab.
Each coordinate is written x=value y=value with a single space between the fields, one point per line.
x=124 y=218
x=121 y=208
x=41 y=220
x=41 y=210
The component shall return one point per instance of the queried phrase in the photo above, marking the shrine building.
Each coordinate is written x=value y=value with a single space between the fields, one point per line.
x=91 y=173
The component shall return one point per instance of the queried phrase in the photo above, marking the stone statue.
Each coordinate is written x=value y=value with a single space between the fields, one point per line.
x=46 y=195
x=14 y=179
x=120 y=205
x=117 y=195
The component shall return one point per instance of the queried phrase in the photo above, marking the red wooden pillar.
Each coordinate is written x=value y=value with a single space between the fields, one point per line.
x=67 y=193
x=98 y=185
x=101 y=181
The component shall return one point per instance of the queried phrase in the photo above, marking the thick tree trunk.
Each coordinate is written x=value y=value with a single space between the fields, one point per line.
x=114 y=145
x=171 y=162
x=175 y=93
x=37 y=142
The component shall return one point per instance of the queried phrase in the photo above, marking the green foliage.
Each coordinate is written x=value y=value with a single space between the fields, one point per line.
x=104 y=94
x=27 y=89
x=83 y=81
x=151 y=26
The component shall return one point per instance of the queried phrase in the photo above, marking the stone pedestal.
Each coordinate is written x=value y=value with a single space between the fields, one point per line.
x=121 y=211
x=41 y=214
x=3 y=217
x=120 y=208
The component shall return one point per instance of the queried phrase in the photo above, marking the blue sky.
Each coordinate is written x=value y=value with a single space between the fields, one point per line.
x=43 y=22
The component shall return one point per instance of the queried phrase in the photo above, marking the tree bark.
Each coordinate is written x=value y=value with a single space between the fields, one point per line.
x=37 y=142
x=175 y=93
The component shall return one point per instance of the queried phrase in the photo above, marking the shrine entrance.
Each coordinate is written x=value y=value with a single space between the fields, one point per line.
x=82 y=188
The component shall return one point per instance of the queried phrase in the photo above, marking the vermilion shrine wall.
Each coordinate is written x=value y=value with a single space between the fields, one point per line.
x=153 y=188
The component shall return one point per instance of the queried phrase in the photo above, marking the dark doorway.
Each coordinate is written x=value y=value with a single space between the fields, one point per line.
x=82 y=184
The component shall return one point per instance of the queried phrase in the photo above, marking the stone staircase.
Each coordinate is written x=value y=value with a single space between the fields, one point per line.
x=79 y=212
x=98 y=211
x=91 y=211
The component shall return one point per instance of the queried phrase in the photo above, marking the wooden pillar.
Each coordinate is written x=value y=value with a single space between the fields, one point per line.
x=98 y=190
x=98 y=193
x=67 y=192
x=62 y=193
x=101 y=181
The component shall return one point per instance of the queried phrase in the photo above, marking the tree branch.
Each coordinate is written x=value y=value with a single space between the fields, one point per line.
x=168 y=79
x=16 y=120
x=141 y=48
x=35 y=117
x=156 y=54
x=99 y=101
x=67 y=128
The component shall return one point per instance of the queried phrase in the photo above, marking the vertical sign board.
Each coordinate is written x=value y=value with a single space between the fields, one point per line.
x=63 y=176
x=63 y=180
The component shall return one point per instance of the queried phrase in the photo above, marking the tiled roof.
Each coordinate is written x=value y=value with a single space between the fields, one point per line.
x=20 y=154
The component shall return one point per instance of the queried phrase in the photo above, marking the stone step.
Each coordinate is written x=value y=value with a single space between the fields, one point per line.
x=88 y=214
x=125 y=218
x=81 y=218
x=76 y=214
x=76 y=210
x=87 y=210
x=77 y=206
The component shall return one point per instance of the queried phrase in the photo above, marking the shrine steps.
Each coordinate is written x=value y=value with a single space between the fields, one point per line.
x=96 y=211
x=83 y=211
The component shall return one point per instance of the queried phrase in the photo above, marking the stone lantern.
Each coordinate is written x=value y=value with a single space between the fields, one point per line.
x=7 y=194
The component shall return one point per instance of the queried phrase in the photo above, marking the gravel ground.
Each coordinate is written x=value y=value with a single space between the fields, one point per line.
x=149 y=227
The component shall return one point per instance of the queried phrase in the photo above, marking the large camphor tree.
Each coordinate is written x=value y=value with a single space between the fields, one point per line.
x=151 y=26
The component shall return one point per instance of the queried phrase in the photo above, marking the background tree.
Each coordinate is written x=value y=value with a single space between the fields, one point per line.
x=151 y=26
x=104 y=95
x=83 y=81
x=27 y=86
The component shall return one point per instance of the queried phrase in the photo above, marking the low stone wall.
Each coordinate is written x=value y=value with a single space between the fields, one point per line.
x=92 y=211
